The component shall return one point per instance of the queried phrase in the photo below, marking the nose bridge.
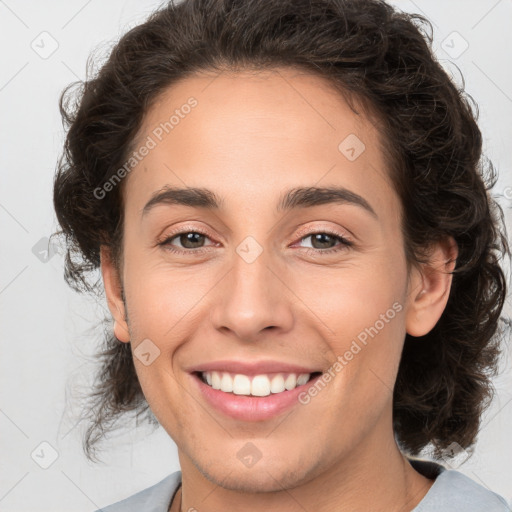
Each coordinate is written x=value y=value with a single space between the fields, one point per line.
x=252 y=298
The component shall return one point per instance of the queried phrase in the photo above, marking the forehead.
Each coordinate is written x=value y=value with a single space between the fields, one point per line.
x=256 y=133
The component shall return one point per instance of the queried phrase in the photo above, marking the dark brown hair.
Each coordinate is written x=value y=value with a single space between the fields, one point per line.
x=372 y=53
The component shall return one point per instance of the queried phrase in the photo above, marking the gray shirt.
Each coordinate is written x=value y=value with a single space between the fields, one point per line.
x=451 y=491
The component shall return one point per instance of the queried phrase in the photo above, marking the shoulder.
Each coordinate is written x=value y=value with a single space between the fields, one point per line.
x=452 y=490
x=156 y=498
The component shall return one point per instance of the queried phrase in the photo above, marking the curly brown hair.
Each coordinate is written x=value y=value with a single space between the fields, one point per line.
x=372 y=53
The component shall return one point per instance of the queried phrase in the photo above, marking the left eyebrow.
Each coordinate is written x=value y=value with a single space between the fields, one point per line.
x=313 y=196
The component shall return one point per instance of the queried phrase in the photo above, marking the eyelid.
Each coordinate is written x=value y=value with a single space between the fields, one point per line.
x=311 y=230
x=166 y=234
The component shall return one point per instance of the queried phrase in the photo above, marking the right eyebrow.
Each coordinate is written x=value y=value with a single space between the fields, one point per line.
x=192 y=196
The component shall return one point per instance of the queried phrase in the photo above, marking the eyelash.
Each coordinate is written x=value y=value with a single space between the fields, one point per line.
x=342 y=246
x=310 y=251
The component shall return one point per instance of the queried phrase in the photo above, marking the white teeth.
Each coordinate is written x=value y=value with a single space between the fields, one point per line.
x=226 y=383
x=302 y=379
x=215 y=380
x=260 y=385
x=277 y=384
x=290 y=382
x=241 y=384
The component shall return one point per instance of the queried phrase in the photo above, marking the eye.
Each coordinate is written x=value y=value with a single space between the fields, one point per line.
x=186 y=242
x=323 y=242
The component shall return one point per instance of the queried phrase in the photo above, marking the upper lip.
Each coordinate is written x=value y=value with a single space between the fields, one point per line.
x=252 y=367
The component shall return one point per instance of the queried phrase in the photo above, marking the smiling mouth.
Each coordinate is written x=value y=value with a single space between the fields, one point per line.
x=257 y=385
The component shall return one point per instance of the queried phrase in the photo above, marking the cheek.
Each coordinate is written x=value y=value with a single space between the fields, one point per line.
x=354 y=299
x=360 y=311
x=163 y=299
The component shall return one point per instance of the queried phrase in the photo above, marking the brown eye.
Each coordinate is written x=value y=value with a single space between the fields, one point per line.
x=191 y=240
x=322 y=240
x=183 y=242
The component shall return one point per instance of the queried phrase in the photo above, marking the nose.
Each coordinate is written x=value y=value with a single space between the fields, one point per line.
x=251 y=300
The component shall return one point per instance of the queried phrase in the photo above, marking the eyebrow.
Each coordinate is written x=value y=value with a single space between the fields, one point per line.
x=303 y=197
x=299 y=197
x=191 y=196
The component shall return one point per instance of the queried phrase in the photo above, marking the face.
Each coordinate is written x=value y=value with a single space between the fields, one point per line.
x=299 y=297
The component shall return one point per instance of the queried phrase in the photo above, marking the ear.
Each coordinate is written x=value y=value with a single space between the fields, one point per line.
x=113 y=291
x=429 y=288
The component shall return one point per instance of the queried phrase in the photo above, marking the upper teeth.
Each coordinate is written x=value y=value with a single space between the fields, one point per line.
x=260 y=385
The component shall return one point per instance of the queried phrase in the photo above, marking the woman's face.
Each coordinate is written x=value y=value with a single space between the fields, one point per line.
x=276 y=282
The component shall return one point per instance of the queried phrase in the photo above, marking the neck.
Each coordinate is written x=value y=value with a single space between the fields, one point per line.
x=372 y=476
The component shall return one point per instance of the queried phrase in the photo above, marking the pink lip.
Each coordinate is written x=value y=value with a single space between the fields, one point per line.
x=252 y=368
x=251 y=408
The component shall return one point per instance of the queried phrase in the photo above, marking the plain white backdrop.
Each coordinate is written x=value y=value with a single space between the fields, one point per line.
x=48 y=331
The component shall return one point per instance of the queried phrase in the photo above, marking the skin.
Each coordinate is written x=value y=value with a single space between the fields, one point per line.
x=250 y=138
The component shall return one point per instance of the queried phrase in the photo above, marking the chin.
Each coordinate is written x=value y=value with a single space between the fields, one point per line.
x=265 y=476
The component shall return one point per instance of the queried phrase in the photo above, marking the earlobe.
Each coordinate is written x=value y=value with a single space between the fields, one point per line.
x=113 y=292
x=430 y=288
x=121 y=331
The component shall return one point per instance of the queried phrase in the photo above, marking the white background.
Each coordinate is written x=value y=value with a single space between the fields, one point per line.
x=47 y=331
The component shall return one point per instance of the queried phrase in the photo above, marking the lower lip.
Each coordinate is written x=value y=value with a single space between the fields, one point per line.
x=251 y=408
